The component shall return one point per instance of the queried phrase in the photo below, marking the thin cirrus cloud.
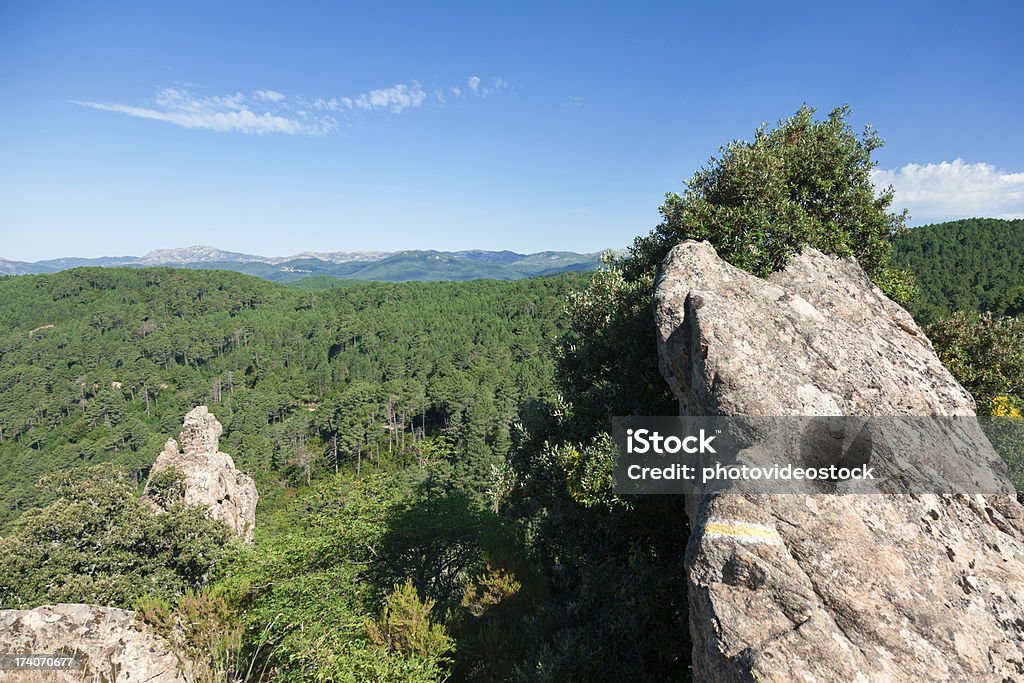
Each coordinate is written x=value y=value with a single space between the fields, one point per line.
x=954 y=189
x=265 y=112
x=261 y=113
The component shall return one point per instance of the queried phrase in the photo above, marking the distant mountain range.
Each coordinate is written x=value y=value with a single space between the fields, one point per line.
x=397 y=266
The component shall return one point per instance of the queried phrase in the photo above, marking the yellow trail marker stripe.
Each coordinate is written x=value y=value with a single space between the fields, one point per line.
x=742 y=532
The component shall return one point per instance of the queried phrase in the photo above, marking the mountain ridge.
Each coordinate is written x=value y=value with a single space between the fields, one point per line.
x=397 y=266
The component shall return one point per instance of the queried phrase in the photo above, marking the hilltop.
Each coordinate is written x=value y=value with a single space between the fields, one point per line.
x=975 y=264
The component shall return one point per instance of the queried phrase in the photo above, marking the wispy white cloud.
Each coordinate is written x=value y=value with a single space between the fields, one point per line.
x=268 y=111
x=954 y=189
x=395 y=99
x=494 y=86
x=268 y=96
x=255 y=115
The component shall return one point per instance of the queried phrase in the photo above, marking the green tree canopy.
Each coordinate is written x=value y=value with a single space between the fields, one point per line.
x=98 y=542
x=975 y=264
x=806 y=182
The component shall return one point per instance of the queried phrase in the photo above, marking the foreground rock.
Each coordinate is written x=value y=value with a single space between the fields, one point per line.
x=110 y=644
x=831 y=587
x=210 y=477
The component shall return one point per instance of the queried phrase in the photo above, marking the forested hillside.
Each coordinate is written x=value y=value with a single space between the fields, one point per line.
x=976 y=264
x=100 y=365
x=377 y=419
x=433 y=459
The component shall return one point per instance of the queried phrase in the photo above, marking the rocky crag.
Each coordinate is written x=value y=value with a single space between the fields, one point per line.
x=210 y=476
x=832 y=587
x=110 y=644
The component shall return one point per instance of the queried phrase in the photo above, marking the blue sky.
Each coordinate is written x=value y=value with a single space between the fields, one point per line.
x=275 y=128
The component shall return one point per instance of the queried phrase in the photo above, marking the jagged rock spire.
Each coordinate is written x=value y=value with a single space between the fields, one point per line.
x=210 y=477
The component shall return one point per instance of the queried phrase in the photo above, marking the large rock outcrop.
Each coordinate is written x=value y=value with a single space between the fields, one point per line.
x=831 y=587
x=210 y=477
x=110 y=644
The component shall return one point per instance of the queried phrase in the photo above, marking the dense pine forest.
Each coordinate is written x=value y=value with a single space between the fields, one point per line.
x=100 y=365
x=975 y=264
x=388 y=427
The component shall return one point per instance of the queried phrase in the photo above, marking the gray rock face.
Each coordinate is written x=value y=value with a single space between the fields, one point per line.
x=831 y=587
x=211 y=478
x=110 y=643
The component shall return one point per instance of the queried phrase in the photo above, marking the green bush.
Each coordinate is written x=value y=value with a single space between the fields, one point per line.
x=804 y=183
x=166 y=487
x=986 y=355
x=99 y=543
x=205 y=634
x=364 y=580
x=406 y=626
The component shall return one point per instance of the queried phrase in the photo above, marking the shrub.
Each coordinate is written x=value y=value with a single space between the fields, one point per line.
x=99 y=543
x=804 y=183
x=986 y=355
